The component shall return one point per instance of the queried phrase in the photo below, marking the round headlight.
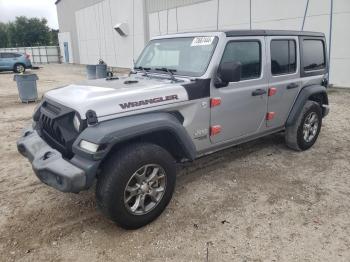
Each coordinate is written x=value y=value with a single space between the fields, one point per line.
x=76 y=122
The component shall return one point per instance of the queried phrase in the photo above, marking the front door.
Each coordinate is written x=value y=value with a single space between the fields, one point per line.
x=242 y=111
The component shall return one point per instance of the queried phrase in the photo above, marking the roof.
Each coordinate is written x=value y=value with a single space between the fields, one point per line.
x=272 y=33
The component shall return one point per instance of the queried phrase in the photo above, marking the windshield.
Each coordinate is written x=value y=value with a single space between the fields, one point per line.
x=188 y=56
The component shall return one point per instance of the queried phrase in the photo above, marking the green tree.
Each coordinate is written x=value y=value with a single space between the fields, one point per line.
x=3 y=35
x=54 y=37
x=27 y=32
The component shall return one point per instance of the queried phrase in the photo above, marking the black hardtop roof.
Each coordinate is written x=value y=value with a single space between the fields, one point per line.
x=272 y=33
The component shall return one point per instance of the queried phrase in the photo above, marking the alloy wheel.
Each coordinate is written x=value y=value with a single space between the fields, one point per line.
x=145 y=189
x=310 y=127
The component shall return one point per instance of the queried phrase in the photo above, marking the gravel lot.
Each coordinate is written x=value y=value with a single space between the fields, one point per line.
x=255 y=202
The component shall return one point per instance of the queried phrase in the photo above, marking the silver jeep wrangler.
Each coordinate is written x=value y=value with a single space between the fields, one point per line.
x=189 y=95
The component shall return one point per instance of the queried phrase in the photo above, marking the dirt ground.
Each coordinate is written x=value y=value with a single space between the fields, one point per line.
x=255 y=202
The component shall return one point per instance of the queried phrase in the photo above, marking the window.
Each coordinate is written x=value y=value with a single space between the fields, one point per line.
x=313 y=55
x=187 y=55
x=248 y=53
x=283 y=57
x=7 y=55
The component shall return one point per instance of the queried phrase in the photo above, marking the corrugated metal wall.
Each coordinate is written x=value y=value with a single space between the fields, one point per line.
x=197 y=15
x=159 y=5
x=66 y=20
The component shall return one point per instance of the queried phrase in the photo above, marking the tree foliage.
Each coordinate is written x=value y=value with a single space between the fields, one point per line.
x=27 y=32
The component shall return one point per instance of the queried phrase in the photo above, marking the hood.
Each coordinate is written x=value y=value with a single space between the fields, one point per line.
x=107 y=97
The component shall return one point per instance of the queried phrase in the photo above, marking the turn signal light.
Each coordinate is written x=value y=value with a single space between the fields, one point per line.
x=214 y=130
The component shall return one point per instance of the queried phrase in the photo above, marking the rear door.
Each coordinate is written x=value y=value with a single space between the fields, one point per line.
x=243 y=104
x=284 y=77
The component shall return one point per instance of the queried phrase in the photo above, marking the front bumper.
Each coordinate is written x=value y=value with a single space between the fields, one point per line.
x=49 y=165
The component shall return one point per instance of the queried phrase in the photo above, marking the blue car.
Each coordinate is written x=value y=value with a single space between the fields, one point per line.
x=17 y=62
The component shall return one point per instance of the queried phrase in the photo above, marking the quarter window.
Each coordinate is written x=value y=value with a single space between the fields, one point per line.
x=7 y=55
x=283 y=57
x=248 y=53
x=313 y=55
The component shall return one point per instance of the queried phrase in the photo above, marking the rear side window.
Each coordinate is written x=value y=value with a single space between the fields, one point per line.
x=283 y=57
x=17 y=55
x=7 y=55
x=313 y=55
x=248 y=53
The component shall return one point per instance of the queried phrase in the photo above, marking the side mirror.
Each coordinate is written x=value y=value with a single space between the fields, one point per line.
x=228 y=72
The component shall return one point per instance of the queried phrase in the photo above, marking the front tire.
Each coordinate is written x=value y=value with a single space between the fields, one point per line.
x=136 y=184
x=304 y=132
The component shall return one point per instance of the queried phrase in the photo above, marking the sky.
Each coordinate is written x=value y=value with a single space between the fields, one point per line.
x=9 y=9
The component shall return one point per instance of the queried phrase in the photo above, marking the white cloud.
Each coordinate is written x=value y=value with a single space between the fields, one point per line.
x=9 y=9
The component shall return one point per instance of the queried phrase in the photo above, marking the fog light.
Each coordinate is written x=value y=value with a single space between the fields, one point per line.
x=88 y=146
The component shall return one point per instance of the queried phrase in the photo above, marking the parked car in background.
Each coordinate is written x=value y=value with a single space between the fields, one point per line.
x=17 y=62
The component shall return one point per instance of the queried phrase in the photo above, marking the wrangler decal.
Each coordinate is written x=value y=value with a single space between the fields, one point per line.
x=148 y=101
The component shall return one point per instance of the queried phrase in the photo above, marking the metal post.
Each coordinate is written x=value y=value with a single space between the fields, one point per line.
x=39 y=53
x=58 y=54
x=32 y=54
x=307 y=6
x=217 y=15
x=47 y=57
x=250 y=14
x=330 y=39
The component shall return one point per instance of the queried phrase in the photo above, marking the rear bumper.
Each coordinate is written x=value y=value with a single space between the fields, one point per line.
x=49 y=165
x=29 y=65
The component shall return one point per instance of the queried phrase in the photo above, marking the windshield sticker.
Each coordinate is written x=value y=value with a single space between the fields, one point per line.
x=203 y=40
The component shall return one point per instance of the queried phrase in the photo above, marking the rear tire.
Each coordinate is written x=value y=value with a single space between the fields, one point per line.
x=304 y=132
x=19 y=68
x=138 y=173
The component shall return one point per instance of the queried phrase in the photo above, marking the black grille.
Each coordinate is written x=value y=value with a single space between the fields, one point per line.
x=52 y=129
x=55 y=125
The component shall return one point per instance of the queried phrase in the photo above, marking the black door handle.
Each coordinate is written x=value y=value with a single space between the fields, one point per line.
x=258 y=92
x=292 y=85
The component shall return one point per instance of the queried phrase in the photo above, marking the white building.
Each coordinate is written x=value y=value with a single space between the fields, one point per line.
x=87 y=34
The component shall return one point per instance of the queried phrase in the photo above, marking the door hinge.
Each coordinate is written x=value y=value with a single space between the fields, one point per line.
x=270 y=115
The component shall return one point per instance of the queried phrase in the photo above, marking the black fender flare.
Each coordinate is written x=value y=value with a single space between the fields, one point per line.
x=111 y=132
x=303 y=96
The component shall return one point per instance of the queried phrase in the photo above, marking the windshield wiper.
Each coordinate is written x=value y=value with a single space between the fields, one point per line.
x=169 y=71
x=143 y=69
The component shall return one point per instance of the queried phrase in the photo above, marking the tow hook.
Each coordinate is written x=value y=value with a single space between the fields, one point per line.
x=47 y=155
